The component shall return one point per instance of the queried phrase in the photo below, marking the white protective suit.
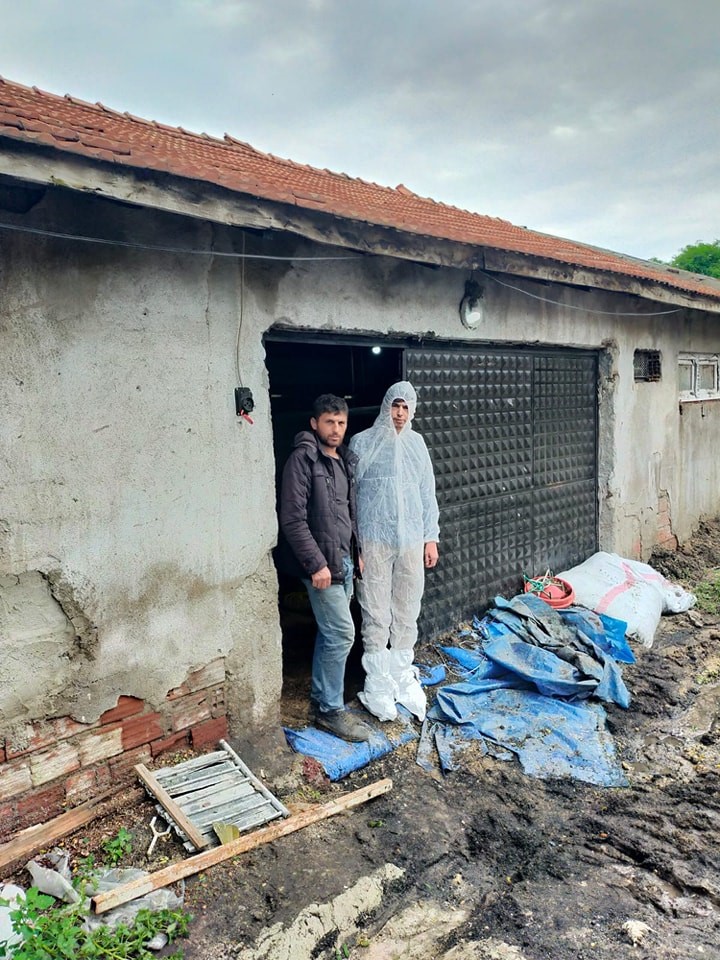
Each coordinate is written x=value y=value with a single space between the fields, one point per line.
x=397 y=516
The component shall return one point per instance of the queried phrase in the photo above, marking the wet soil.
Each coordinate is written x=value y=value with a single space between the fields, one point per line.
x=531 y=869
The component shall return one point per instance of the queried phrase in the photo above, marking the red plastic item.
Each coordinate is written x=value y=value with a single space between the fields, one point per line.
x=555 y=591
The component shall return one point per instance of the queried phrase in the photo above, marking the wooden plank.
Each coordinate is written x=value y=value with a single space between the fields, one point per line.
x=28 y=841
x=230 y=813
x=208 y=858
x=168 y=804
x=180 y=775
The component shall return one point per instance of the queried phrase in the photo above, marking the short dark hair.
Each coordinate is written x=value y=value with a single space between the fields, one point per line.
x=328 y=403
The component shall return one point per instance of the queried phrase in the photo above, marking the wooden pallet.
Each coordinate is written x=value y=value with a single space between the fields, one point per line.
x=213 y=788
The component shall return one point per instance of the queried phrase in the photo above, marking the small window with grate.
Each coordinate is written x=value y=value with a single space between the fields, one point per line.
x=646 y=365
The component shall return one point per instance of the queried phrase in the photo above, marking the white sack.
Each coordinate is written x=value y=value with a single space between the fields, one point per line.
x=627 y=590
x=13 y=894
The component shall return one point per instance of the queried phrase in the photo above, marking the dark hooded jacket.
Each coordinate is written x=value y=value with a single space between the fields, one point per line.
x=309 y=531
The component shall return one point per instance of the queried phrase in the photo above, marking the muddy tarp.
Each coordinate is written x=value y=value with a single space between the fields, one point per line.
x=554 y=655
x=550 y=737
x=526 y=688
x=338 y=758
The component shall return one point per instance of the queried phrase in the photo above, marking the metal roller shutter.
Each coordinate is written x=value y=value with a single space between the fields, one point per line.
x=513 y=438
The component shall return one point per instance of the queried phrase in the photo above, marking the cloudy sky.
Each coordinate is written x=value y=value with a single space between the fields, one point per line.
x=591 y=119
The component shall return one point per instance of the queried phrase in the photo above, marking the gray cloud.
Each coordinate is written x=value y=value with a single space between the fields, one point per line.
x=594 y=120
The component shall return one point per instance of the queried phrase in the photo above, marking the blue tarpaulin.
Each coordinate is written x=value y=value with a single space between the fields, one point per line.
x=337 y=757
x=550 y=737
x=525 y=689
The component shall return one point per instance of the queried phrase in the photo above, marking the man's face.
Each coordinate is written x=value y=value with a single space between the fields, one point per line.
x=330 y=428
x=399 y=413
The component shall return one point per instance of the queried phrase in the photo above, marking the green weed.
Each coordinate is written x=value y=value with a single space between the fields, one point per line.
x=707 y=592
x=49 y=931
x=115 y=848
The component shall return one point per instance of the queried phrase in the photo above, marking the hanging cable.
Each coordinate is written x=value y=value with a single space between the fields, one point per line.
x=159 y=249
x=244 y=402
x=37 y=231
x=240 y=318
x=568 y=306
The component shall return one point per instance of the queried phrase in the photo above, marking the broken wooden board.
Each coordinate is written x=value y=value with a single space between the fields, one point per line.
x=208 y=858
x=32 y=839
x=214 y=787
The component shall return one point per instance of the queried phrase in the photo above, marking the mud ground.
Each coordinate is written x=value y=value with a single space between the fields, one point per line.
x=494 y=865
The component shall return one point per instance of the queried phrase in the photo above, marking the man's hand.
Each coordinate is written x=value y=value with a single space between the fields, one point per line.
x=323 y=578
x=431 y=554
x=361 y=565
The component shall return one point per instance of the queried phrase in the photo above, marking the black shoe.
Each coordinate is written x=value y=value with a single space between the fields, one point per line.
x=343 y=725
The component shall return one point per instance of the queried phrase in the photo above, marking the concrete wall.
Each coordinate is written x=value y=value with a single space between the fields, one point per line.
x=138 y=514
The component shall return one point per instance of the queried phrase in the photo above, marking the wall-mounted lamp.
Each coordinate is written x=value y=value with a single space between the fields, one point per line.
x=472 y=307
x=376 y=350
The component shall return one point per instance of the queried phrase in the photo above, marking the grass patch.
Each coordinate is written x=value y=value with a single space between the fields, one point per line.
x=707 y=592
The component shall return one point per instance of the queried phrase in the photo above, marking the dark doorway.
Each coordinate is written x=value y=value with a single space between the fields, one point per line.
x=300 y=369
x=512 y=432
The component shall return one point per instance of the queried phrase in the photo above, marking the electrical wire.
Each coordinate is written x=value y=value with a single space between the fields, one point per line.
x=37 y=231
x=240 y=318
x=159 y=249
x=568 y=306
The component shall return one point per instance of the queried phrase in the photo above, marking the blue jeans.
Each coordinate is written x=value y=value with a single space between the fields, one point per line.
x=334 y=640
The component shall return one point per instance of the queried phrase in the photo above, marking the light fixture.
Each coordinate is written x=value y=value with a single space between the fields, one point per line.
x=376 y=350
x=472 y=307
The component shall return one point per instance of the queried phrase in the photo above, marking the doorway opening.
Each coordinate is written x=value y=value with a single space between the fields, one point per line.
x=300 y=368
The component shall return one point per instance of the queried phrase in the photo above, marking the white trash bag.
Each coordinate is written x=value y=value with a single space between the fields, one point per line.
x=627 y=590
x=13 y=895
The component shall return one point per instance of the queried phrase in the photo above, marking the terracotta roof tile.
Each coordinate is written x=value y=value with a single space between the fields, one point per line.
x=98 y=132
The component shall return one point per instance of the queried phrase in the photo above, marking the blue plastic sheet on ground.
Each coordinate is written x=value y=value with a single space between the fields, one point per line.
x=431 y=674
x=524 y=690
x=607 y=632
x=550 y=737
x=337 y=757
x=557 y=657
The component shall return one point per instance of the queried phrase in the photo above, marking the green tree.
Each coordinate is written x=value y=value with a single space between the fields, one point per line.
x=700 y=258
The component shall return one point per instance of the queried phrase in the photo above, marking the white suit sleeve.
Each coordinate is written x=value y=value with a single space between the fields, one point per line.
x=431 y=513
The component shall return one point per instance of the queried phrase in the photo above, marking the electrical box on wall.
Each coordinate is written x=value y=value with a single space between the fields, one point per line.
x=244 y=403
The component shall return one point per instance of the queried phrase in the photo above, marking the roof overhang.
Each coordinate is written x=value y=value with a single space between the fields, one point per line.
x=199 y=199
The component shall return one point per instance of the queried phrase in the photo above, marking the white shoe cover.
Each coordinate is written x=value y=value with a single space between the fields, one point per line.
x=379 y=695
x=410 y=694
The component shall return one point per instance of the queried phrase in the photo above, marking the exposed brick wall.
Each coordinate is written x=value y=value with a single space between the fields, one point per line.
x=53 y=765
x=665 y=536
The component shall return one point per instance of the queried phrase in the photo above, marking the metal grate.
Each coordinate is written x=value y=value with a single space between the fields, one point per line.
x=216 y=787
x=646 y=365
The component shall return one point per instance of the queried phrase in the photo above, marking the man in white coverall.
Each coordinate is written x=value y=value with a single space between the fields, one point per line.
x=398 y=525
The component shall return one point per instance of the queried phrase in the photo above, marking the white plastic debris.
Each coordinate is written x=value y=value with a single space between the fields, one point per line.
x=13 y=894
x=161 y=899
x=636 y=931
x=51 y=874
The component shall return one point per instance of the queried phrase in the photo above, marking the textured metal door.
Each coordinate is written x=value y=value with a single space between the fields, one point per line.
x=513 y=438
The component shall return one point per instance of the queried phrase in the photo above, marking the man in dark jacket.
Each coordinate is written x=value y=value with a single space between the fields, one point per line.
x=319 y=543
